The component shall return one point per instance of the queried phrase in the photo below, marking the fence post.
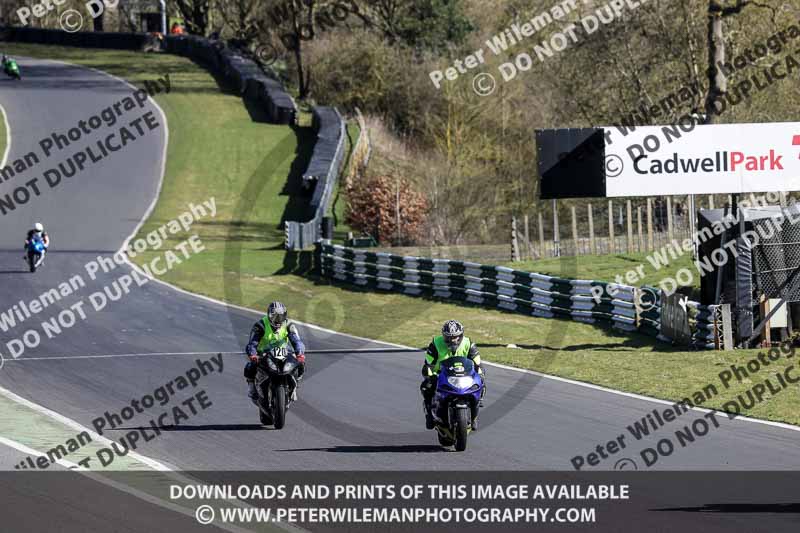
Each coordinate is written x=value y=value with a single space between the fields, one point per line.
x=556 y=231
x=397 y=211
x=611 y=226
x=711 y=201
x=541 y=235
x=514 y=244
x=630 y=227
x=669 y=219
x=528 y=237
x=574 y=231
x=592 y=243
x=649 y=224
x=639 y=227
x=783 y=199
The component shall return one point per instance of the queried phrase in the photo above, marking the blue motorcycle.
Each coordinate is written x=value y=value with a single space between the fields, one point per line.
x=456 y=403
x=36 y=251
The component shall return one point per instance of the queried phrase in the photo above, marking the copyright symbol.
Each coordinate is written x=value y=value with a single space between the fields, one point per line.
x=625 y=464
x=267 y=54
x=71 y=21
x=204 y=514
x=484 y=84
x=648 y=298
x=614 y=166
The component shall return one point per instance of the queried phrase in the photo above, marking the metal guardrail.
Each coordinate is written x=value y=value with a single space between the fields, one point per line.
x=325 y=165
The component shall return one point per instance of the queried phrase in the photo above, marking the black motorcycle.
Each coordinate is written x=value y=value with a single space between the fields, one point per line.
x=276 y=383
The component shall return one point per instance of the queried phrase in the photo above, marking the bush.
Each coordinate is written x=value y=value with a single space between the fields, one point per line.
x=361 y=70
x=373 y=209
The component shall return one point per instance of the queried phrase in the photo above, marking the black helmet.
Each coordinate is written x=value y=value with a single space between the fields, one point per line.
x=453 y=333
x=276 y=313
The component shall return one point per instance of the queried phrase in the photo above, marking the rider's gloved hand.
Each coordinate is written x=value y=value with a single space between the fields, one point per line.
x=301 y=358
x=253 y=357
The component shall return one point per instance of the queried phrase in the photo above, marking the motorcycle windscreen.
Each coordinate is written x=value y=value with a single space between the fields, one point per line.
x=457 y=366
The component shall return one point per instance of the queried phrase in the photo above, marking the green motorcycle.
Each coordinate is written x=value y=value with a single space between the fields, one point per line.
x=11 y=68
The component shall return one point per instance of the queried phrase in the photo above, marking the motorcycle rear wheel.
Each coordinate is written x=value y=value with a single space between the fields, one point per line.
x=279 y=406
x=461 y=428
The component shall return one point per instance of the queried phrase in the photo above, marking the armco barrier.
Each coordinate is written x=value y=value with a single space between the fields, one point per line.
x=505 y=288
x=323 y=171
x=243 y=73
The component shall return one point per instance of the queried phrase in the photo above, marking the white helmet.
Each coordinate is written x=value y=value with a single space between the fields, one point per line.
x=38 y=227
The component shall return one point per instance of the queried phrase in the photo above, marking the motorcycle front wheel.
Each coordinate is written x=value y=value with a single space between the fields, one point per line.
x=444 y=441
x=279 y=406
x=461 y=428
x=265 y=420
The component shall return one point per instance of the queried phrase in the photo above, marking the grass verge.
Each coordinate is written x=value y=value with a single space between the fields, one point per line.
x=217 y=150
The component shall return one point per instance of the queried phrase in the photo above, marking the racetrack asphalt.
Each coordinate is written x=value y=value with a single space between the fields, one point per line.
x=358 y=410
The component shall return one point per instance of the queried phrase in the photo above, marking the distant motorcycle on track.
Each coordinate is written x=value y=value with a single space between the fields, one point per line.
x=456 y=403
x=11 y=68
x=276 y=383
x=35 y=253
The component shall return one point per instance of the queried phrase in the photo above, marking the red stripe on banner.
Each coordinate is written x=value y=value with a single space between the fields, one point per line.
x=796 y=140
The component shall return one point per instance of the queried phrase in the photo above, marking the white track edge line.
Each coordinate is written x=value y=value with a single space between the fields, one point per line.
x=152 y=463
x=108 y=356
x=30 y=451
x=178 y=354
x=8 y=136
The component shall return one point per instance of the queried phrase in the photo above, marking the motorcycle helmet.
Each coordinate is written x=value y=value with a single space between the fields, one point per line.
x=453 y=333
x=276 y=314
x=38 y=227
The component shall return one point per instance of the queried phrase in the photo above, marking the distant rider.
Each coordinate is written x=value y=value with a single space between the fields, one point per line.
x=36 y=232
x=272 y=330
x=7 y=62
x=451 y=343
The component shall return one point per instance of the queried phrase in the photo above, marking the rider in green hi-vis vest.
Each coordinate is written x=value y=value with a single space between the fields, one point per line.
x=272 y=330
x=451 y=343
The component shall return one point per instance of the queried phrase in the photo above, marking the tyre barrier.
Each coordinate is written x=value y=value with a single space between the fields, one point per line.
x=529 y=293
x=83 y=39
x=242 y=73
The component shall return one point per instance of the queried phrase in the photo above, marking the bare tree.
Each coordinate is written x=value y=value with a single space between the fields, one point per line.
x=244 y=18
x=718 y=11
x=196 y=14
